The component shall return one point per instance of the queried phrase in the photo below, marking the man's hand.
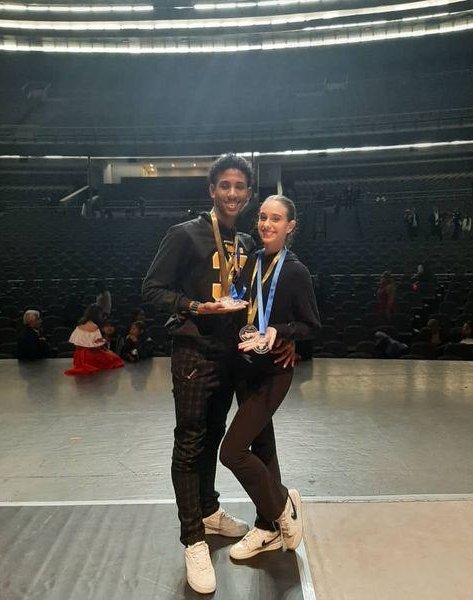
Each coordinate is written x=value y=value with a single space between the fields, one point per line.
x=214 y=308
x=286 y=351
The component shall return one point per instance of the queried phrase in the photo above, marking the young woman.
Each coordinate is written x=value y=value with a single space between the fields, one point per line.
x=281 y=305
x=91 y=353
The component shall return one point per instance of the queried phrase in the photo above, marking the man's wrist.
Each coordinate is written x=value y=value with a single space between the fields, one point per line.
x=194 y=307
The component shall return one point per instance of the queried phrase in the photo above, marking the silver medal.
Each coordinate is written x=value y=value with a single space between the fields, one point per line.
x=247 y=332
x=262 y=346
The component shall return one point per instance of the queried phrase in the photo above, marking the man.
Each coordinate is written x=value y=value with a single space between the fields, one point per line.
x=30 y=344
x=193 y=269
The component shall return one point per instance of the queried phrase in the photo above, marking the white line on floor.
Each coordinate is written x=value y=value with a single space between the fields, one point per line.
x=314 y=499
x=307 y=585
x=392 y=498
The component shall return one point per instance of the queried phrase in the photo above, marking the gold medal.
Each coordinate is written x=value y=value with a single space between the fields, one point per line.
x=230 y=266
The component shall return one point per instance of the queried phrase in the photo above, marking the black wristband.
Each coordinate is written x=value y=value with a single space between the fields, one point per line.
x=194 y=307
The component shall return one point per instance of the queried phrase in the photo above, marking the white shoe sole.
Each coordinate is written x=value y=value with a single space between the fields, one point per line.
x=202 y=590
x=297 y=501
x=275 y=545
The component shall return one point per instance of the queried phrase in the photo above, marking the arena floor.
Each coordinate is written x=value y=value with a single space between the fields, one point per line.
x=381 y=451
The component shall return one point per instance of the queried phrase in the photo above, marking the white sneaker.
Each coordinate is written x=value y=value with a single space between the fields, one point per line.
x=290 y=521
x=254 y=542
x=223 y=524
x=200 y=571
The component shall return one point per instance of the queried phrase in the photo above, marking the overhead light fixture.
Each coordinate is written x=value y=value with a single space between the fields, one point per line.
x=242 y=22
x=56 y=8
x=256 y=4
x=412 y=146
x=346 y=150
x=401 y=31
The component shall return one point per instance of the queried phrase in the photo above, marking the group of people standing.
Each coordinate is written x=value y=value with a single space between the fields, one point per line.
x=237 y=314
x=453 y=224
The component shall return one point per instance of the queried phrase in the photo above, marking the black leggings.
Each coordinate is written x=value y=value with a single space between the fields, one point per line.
x=257 y=469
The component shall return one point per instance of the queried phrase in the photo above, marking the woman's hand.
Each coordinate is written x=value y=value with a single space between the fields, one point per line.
x=257 y=340
x=286 y=351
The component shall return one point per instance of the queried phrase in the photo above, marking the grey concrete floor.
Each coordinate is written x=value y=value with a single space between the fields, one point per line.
x=347 y=428
x=128 y=552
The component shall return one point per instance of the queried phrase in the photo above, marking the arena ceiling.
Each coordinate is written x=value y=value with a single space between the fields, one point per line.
x=195 y=27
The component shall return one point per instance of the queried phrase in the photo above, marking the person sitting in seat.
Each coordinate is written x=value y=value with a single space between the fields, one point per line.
x=31 y=344
x=467 y=333
x=114 y=341
x=138 y=345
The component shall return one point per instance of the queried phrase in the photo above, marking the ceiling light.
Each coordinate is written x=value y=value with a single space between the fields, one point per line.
x=20 y=7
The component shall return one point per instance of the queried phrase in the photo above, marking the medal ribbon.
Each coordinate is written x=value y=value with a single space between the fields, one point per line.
x=229 y=266
x=264 y=314
x=253 y=305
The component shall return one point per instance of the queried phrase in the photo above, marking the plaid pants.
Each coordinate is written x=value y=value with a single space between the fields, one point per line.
x=203 y=392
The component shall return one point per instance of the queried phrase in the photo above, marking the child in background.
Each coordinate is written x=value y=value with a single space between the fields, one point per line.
x=113 y=339
x=138 y=345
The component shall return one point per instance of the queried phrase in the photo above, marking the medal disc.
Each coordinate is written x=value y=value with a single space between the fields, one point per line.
x=261 y=347
x=247 y=332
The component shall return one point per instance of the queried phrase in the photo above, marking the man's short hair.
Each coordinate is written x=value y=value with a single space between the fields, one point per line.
x=230 y=161
x=30 y=315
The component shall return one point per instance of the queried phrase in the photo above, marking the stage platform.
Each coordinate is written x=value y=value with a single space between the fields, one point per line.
x=86 y=501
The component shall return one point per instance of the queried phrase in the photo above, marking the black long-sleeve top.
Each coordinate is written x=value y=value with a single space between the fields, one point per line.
x=186 y=268
x=30 y=346
x=294 y=314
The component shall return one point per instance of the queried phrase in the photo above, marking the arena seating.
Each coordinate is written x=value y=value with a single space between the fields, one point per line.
x=51 y=257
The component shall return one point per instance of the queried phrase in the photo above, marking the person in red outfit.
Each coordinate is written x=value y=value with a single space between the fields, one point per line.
x=91 y=353
x=386 y=295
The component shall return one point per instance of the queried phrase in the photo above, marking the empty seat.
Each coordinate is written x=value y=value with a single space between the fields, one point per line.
x=354 y=334
x=338 y=349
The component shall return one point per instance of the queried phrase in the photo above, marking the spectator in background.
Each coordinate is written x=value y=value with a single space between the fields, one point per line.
x=138 y=314
x=466 y=227
x=432 y=334
x=415 y=223
x=386 y=295
x=104 y=298
x=138 y=345
x=467 y=333
x=114 y=341
x=421 y=276
x=435 y=222
x=388 y=347
x=31 y=345
x=435 y=334
x=91 y=353
x=457 y=224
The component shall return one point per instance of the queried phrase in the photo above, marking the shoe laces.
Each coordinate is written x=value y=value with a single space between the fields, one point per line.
x=284 y=521
x=200 y=555
x=252 y=533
